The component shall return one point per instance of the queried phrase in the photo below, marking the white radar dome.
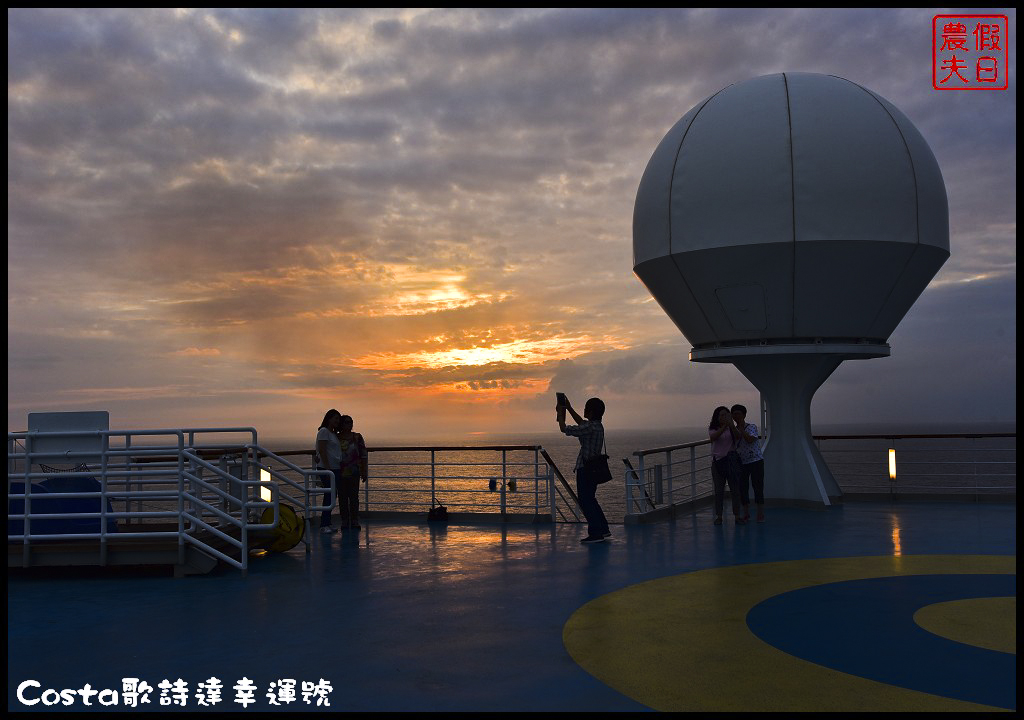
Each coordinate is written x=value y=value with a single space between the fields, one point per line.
x=790 y=208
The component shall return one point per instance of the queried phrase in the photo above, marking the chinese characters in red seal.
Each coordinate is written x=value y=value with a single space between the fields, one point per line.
x=970 y=52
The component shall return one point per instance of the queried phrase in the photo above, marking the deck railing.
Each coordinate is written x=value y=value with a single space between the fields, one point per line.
x=496 y=481
x=667 y=476
x=967 y=466
x=977 y=466
x=118 y=486
x=170 y=488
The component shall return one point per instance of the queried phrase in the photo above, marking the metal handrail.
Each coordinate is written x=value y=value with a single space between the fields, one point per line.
x=654 y=477
x=304 y=489
x=671 y=448
x=563 y=489
x=126 y=482
x=244 y=506
x=929 y=481
x=547 y=486
x=635 y=482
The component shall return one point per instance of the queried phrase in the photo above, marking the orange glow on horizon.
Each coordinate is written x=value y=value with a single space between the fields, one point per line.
x=490 y=391
x=517 y=352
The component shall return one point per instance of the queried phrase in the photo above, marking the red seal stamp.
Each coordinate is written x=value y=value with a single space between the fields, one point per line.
x=970 y=52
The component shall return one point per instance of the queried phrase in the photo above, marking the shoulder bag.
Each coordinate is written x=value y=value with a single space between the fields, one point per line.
x=596 y=468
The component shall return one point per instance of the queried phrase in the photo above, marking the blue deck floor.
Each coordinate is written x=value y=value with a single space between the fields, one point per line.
x=411 y=617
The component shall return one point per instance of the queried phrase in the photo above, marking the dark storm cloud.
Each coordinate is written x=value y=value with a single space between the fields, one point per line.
x=953 y=360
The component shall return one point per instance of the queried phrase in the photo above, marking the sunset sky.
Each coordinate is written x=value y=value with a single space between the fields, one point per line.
x=423 y=218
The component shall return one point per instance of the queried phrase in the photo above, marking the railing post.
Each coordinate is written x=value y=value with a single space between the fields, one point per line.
x=693 y=477
x=128 y=477
x=246 y=475
x=974 y=466
x=659 y=496
x=668 y=468
x=26 y=526
x=551 y=490
x=629 y=491
x=366 y=485
x=307 y=502
x=641 y=476
x=104 y=454
x=536 y=483
x=433 y=479
x=181 y=500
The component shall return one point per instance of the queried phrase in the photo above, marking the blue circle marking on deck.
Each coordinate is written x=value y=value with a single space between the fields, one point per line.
x=682 y=642
x=866 y=628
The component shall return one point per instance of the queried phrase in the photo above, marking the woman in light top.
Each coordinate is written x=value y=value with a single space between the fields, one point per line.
x=328 y=457
x=724 y=435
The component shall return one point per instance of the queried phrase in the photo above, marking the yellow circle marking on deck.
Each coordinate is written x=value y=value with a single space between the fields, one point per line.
x=681 y=643
x=990 y=623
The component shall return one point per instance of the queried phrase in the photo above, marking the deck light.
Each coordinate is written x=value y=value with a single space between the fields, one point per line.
x=265 y=494
x=892 y=464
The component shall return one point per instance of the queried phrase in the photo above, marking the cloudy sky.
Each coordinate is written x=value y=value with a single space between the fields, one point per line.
x=424 y=217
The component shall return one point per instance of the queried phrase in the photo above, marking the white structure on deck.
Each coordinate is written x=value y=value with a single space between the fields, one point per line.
x=785 y=224
x=79 y=493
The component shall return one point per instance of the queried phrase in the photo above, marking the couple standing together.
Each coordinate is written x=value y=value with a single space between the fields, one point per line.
x=343 y=452
x=737 y=461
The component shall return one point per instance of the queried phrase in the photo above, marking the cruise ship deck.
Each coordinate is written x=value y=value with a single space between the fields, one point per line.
x=863 y=606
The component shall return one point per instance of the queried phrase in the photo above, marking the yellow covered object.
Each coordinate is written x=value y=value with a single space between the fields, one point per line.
x=289 y=530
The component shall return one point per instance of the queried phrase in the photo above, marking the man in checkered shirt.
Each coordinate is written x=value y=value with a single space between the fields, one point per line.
x=590 y=433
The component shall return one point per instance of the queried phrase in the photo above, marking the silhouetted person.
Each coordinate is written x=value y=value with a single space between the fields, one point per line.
x=723 y=434
x=748 y=447
x=328 y=457
x=353 y=466
x=590 y=433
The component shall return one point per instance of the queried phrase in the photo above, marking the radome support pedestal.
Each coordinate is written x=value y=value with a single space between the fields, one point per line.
x=787 y=377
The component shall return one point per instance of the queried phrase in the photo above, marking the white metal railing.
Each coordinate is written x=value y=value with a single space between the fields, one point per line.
x=196 y=507
x=299 y=486
x=566 y=507
x=152 y=484
x=666 y=476
x=498 y=480
x=960 y=465
x=193 y=487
